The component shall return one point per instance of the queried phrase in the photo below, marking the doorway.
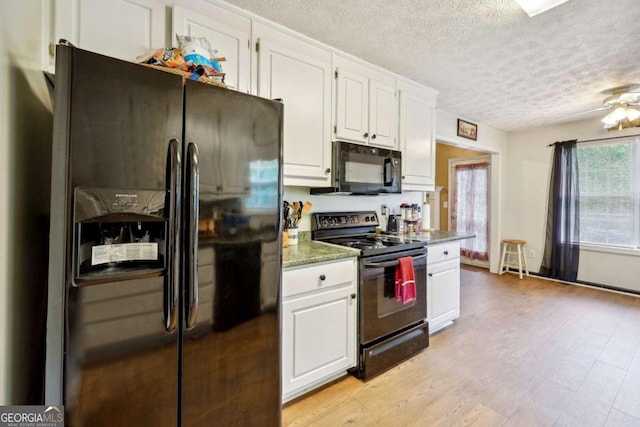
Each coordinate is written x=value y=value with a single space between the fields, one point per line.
x=469 y=206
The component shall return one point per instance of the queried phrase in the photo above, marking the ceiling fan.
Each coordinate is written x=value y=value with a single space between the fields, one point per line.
x=623 y=100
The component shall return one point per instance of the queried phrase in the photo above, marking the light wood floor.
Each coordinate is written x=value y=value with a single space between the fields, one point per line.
x=523 y=353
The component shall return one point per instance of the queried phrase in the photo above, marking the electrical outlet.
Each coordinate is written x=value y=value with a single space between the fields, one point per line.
x=445 y=205
x=384 y=210
x=532 y=253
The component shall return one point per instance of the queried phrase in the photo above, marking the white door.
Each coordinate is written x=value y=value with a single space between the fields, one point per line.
x=382 y=114
x=303 y=83
x=124 y=29
x=232 y=43
x=352 y=113
x=469 y=206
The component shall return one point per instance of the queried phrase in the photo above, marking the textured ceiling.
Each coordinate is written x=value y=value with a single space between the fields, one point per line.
x=491 y=63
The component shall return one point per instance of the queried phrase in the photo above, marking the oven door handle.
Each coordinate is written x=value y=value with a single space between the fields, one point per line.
x=389 y=263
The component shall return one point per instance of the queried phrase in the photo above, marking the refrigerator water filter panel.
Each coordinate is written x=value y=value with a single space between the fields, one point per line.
x=124 y=252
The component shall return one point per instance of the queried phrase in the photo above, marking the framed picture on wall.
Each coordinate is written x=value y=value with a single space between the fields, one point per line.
x=467 y=130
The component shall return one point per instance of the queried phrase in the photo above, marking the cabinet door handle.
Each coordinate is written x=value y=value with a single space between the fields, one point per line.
x=430 y=274
x=446 y=252
x=327 y=171
x=366 y=134
x=353 y=296
x=373 y=136
x=323 y=277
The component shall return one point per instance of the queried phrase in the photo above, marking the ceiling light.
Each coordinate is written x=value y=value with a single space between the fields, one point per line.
x=534 y=7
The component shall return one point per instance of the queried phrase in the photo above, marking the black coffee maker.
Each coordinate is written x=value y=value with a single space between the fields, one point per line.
x=393 y=223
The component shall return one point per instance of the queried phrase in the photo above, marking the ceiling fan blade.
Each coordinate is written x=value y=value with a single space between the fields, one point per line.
x=586 y=112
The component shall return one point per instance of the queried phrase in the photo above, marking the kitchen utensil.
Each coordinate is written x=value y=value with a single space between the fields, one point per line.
x=299 y=212
x=306 y=208
x=294 y=214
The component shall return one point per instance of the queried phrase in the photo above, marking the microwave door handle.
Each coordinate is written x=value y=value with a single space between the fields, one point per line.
x=388 y=172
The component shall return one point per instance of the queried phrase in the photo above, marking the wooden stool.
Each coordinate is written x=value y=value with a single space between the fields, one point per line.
x=514 y=247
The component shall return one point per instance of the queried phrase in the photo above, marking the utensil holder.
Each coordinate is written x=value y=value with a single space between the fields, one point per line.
x=292 y=234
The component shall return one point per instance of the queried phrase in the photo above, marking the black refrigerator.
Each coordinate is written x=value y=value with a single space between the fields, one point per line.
x=164 y=275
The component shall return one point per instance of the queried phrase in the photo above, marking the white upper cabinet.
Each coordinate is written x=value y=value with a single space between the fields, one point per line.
x=299 y=74
x=123 y=29
x=230 y=37
x=382 y=114
x=352 y=119
x=365 y=104
x=327 y=95
x=417 y=136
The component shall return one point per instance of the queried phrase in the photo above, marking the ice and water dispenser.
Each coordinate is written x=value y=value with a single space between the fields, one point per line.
x=119 y=234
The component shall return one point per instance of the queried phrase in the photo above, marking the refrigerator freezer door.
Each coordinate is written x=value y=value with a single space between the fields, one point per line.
x=114 y=119
x=231 y=357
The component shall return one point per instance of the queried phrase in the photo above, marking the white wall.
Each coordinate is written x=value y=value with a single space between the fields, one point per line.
x=25 y=153
x=526 y=192
x=492 y=141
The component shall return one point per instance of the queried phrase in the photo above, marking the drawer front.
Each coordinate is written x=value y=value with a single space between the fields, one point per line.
x=317 y=276
x=443 y=252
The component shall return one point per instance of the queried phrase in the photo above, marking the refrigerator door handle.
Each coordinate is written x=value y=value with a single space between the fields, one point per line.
x=172 y=278
x=193 y=189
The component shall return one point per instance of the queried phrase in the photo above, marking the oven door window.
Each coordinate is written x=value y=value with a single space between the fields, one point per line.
x=386 y=294
x=380 y=313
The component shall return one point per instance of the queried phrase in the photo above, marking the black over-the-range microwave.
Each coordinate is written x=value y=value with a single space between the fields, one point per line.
x=363 y=169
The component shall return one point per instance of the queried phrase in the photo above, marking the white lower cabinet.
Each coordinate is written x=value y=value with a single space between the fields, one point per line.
x=318 y=325
x=443 y=284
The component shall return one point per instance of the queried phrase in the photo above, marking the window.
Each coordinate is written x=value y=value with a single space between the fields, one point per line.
x=609 y=191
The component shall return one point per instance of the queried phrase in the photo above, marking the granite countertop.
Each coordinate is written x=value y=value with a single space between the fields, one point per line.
x=438 y=236
x=309 y=251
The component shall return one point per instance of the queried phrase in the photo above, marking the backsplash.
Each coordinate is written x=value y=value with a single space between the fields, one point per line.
x=342 y=203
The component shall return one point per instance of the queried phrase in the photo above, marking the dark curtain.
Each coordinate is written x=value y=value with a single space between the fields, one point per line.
x=562 y=249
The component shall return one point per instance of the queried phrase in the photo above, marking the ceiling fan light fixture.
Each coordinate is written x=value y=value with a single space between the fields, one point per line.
x=535 y=7
x=617 y=116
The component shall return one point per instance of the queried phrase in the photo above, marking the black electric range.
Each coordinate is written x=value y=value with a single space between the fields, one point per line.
x=389 y=330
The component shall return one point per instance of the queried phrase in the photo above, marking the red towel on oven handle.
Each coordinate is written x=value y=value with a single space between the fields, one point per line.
x=405 y=280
